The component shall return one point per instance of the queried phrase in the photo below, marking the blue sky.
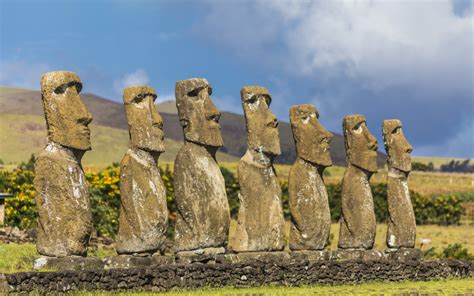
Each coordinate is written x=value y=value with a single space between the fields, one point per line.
x=411 y=60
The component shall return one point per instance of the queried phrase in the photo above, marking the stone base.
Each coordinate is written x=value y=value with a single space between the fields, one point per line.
x=206 y=255
x=404 y=254
x=353 y=254
x=68 y=263
x=258 y=257
x=131 y=261
x=311 y=255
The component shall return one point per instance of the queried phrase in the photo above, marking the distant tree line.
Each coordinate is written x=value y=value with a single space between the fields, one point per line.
x=454 y=166
x=458 y=166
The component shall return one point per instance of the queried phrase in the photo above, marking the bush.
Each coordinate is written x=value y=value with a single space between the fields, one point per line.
x=168 y=179
x=457 y=251
x=418 y=166
x=104 y=188
x=20 y=210
x=444 y=209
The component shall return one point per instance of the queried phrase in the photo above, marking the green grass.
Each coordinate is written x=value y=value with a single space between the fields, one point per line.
x=17 y=257
x=438 y=287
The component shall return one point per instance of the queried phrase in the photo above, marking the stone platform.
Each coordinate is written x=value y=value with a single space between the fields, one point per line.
x=254 y=273
x=68 y=263
x=217 y=256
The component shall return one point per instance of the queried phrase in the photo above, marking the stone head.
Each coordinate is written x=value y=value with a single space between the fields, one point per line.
x=311 y=138
x=361 y=145
x=67 y=118
x=197 y=113
x=144 y=122
x=262 y=124
x=396 y=145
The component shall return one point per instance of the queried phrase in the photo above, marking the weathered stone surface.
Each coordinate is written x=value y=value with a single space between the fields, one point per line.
x=352 y=254
x=308 y=198
x=401 y=231
x=203 y=216
x=404 y=254
x=143 y=211
x=357 y=230
x=260 y=224
x=68 y=263
x=258 y=257
x=131 y=261
x=245 y=274
x=206 y=255
x=311 y=255
x=62 y=194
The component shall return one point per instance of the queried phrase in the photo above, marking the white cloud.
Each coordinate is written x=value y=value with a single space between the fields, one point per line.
x=20 y=73
x=412 y=60
x=139 y=77
x=380 y=43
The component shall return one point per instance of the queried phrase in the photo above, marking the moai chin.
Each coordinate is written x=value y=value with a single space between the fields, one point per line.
x=260 y=224
x=62 y=194
x=203 y=216
x=401 y=230
x=308 y=198
x=357 y=224
x=143 y=211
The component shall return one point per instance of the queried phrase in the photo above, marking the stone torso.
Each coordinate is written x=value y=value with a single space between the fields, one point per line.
x=309 y=206
x=143 y=211
x=401 y=230
x=203 y=211
x=62 y=198
x=357 y=225
x=260 y=225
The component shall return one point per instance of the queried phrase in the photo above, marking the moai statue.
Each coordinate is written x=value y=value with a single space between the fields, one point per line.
x=401 y=230
x=308 y=198
x=203 y=218
x=143 y=212
x=357 y=224
x=260 y=224
x=62 y=194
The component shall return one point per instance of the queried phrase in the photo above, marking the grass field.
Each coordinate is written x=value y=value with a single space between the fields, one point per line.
x=441 y=287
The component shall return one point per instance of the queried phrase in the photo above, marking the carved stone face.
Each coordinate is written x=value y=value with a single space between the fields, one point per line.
x=361 y=145
x=262 y=124
x=197 y=114
x=144 y=122
x=311 y=138
x=397 y=147
x=67 y=118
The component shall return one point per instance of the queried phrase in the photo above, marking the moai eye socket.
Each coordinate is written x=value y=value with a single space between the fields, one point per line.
x=252 y=100
x=138 y=98
x=61 y=89
x=268 y=100
x=358 y=128
x=195 y=92
x=396 y=131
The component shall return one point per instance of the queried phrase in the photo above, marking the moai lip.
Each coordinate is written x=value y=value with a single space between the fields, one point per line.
x=401 y=231
x=260 y=224
x=62 y=194
x=357 y=224
x=143 y=219
x=308 y=198
x=203 y=216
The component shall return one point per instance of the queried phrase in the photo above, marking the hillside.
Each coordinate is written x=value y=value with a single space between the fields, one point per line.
x=25 y=130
